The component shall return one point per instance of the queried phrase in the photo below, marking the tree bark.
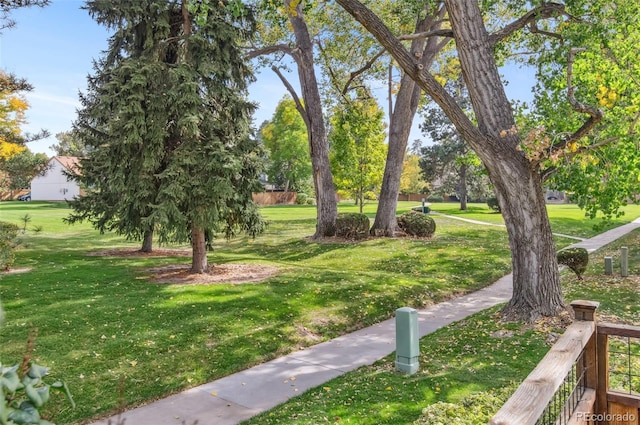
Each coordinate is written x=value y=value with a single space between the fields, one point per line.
x=199 y=262
x=518 y=184
x=147 y=241
x=400 y=122
x=326 y=200
x=536 y=282
x=462 y=190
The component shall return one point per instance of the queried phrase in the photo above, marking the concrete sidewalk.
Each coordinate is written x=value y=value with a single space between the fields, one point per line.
x=240 y=396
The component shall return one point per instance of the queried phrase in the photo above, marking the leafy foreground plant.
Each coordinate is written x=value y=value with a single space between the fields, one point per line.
x=23 y=390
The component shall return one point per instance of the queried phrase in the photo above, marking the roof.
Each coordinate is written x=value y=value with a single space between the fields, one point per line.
x=70 y=163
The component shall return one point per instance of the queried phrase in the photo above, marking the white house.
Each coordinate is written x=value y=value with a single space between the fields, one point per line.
x=54 y=185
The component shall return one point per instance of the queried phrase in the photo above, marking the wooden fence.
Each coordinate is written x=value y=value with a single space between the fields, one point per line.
x=572 y=383
x=273 y=198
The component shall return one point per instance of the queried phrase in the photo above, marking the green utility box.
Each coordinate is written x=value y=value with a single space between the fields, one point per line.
x=407 y=340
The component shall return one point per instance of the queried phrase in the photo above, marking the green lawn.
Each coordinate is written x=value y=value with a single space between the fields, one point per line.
x=101 y=321
x=468 y=369
x=565 y=218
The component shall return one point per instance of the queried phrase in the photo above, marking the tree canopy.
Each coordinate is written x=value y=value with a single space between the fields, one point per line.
x=285 y=137
x=357 y=147
x=550 y=34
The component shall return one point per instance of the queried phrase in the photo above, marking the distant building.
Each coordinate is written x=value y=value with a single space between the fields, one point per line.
x=54 y=185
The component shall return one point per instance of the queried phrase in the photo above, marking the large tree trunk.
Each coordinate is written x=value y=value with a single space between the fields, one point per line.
x=536 y=284
x=462 y=187
x=147 y=241
x=400 y=122
x=199 y=251
x=385 y=223
x=327 y=206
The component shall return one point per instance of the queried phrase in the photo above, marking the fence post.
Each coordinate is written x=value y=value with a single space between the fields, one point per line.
x=586 y=311
x=603 y=374
x=624 y=261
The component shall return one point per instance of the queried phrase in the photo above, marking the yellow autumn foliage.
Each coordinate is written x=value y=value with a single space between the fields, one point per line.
x=8 y=149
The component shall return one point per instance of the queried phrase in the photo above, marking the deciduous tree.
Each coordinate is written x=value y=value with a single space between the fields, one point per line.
x=357 y=147
x=284 y=31
x=493 y=134
x=17 y=171
x=285 y=136
x=69 y=144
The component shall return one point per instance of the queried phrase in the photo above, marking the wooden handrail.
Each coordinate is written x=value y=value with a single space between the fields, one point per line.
x=616 y=329
x=542 y=383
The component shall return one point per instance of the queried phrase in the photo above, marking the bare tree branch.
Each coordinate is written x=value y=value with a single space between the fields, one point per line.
x=595 y=114
x=362 y=70
x=447 y=33
x=299 y=106
x=277 y=48
x=533 y=27
x=547 y=10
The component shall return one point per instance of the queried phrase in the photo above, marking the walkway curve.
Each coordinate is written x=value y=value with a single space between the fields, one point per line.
x=486 y=223
x=238 y=397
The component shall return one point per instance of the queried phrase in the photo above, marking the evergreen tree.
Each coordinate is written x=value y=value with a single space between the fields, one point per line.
x=166 y=123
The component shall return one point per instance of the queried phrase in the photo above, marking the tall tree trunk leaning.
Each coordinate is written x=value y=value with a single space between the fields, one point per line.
x=199 y=262
x=326 y=200
x=462 y=190
x=518 y=182
x=400 y=122
x=147 y=241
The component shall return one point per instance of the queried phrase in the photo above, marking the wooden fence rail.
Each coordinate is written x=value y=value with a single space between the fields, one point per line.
x=581 y=357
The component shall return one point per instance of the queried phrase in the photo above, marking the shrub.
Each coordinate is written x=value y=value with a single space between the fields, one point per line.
x=493 y=204
x=352 y=226
x=301 y=198
x=417 y=224
x=576 y=259
x=8 y=243
x=435 y=198
x=23 y=389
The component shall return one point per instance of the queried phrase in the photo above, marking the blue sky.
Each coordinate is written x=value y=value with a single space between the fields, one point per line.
x=53 y=48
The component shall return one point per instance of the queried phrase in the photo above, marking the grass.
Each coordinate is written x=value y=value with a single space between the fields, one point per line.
x=468 y=359
x=101 y=322
x=565 y=218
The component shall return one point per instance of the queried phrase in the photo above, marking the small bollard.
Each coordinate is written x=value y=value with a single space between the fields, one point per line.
x=624 y=261
x=608 y=265
x=423 y=209
x=407 y=340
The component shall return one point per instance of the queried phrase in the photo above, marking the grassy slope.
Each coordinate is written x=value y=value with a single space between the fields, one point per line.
x=101 y=321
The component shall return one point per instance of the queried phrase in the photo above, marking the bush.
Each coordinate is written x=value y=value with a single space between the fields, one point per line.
x=576 y=259
x=301 y=198
x=435 y=198
x=8 y=243
x=417 y=224
x=352 y=226
x=493 y=204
